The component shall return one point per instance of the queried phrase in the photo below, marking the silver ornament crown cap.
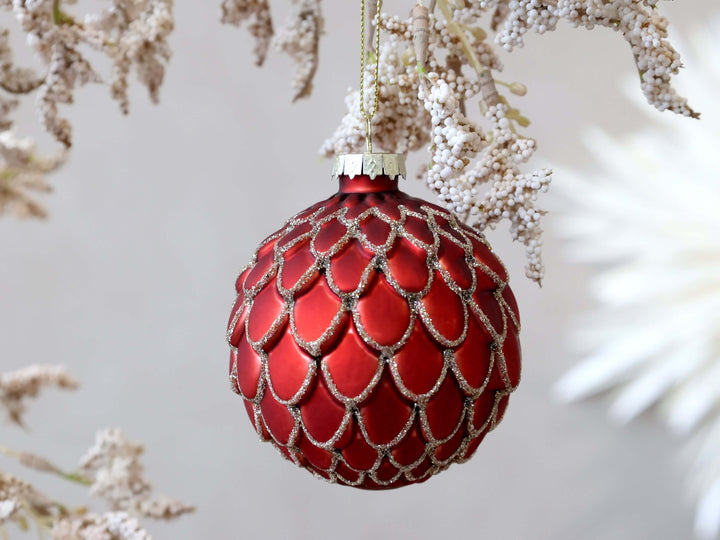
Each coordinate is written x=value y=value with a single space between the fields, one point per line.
x=370 y=164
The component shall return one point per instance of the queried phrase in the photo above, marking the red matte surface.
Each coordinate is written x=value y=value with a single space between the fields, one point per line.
x=374 y=309
x=375 y=230
x=386 y=413
x=296 y=265
x=404 y=255
x=249 y=368
x=412 y=447
x=471 y=354
x=347 y=268
x=288 y=365
x=444 y=410
x=452 y=259
x=445 y=309
x=351 y=365
x=267 y=308
x=315 y=311
x=321 y=414
x=419 y=377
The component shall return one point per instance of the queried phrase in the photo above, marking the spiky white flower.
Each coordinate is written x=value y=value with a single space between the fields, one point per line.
x=649 y=224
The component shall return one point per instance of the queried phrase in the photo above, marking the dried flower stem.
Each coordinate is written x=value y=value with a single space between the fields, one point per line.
x=421 y=35
x=39 y=463
x=488 y=90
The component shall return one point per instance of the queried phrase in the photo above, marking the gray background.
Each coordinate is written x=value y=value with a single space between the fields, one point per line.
x=130 y=282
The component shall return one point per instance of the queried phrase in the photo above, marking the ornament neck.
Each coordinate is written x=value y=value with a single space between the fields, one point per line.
x=368 y=173
x=364 y=184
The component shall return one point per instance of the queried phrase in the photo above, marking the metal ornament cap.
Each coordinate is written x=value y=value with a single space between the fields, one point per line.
x=371 y=165
x=374 y=338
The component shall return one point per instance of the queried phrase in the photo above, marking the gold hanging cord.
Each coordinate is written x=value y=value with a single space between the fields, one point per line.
x=368 y=116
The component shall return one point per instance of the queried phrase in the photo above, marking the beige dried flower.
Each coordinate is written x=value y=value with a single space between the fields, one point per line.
x=22 y=173
x=13 y=492
x=19 y=499
x=13 y=79
x=132 y=34
x=236 y=12
x=162 y=507
x=299 y=39
x=18 y=385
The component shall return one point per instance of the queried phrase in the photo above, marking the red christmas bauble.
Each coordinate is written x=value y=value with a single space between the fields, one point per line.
x=374 y=337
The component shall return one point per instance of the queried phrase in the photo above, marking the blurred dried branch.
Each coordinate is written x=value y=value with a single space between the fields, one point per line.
x=111 y=468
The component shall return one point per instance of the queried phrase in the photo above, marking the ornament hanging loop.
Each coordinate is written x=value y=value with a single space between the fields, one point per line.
x=368 y=115
x=368 y=134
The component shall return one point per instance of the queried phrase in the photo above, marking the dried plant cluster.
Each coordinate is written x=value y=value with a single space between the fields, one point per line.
x=440 y=59
x=131 y=34
x=111 y=469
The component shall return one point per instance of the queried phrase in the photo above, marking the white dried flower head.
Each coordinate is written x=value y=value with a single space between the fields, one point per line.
x=131 y=33
x=108 y=526
x=8 y=509
x=401 y=123
x=455 y=142
x=300 y=39
x=114 y=464
x=512 y=194
x=639 y=23
x=513 y=198
x=24 y=383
